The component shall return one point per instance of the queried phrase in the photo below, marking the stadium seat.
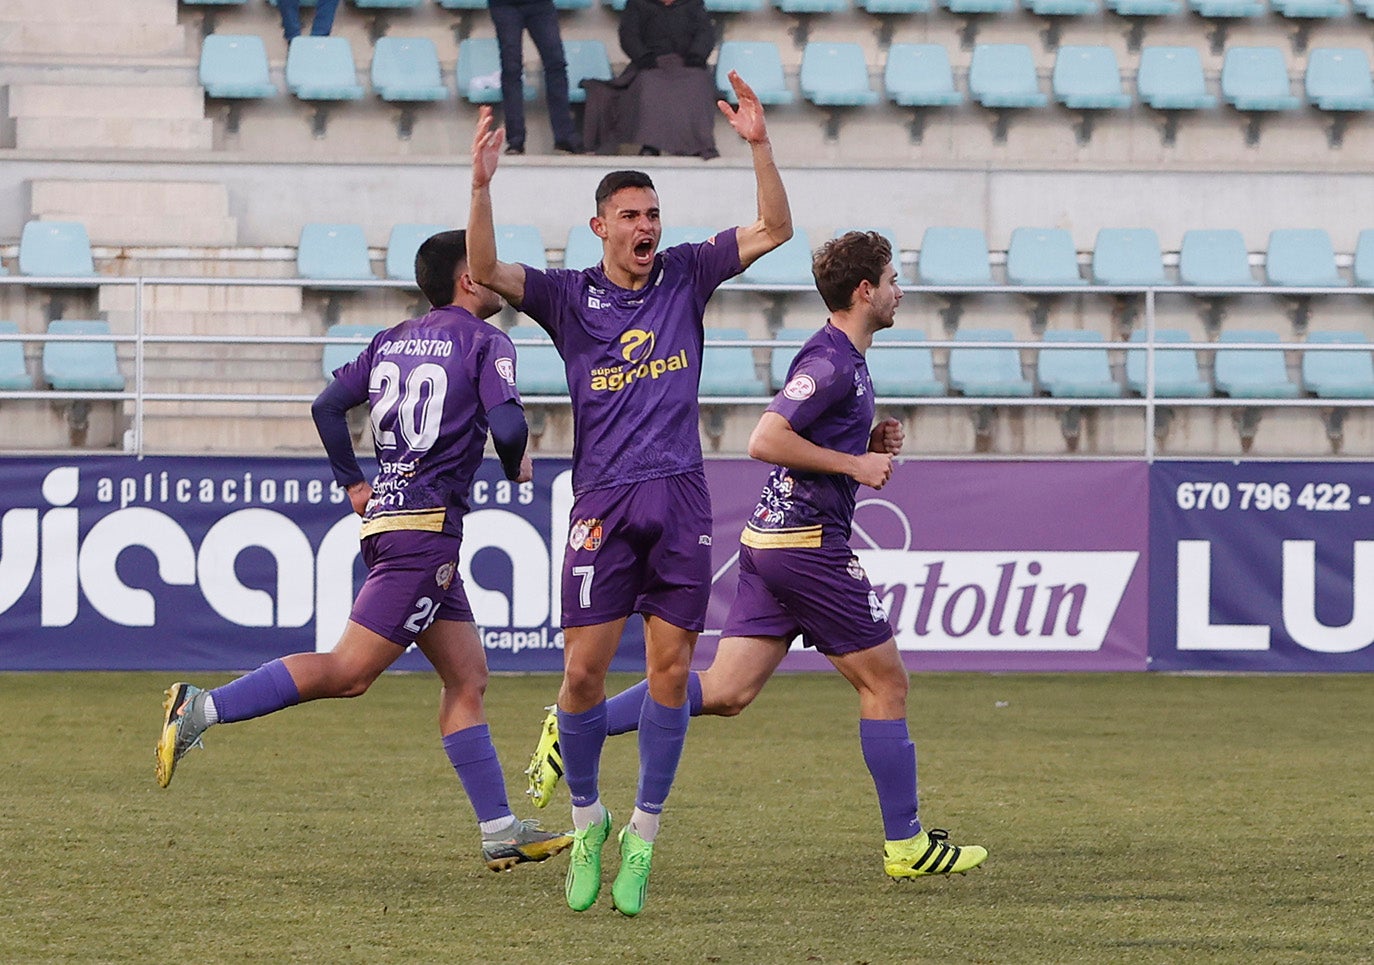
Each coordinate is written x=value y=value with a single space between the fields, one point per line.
x=1338 y=375
x=788 y=264
x=1363 y=268
x=387 y=4
x=1364 y=8
x=479 y=72
x=1260 y=374
x=954 y=256
x=1214 y=258
x=341 y=354
x=714 y=6
x=987 y=371
x=1088 y=79
x=1170 y=79
x=1082 y=373
x=467 y=13
x=587 y=60
x=729 y=369
x=1302 y=258
x=583 y=248
x=834 y=75
x=1139 y=11
x=806 y=11
x=1338 y=80
x=568 y=5
x=401 y=246
x=521 y=243
x=1220 y=12
x=971 y=10
x=538 y=368
x=1305 y=13
x=1255 y=80
x=888 y=12
x=781 y=356
x=333 y=253
x=407 y=69
x=1176 y=369
x=322 y=69
x=1056 y=11
x=900 y=366
x=81 y=366
x=759 y=63
x=14 y=374
x=919 y=76
x=1002 y=77
x=1127 y=256
x=55 y=248
x=234 y=67
x=1042 y=256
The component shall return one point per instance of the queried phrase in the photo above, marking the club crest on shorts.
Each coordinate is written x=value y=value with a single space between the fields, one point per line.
x=800 y=387
x=585 y=535
x=855 y=569
x=443 y=576
x=506 y=369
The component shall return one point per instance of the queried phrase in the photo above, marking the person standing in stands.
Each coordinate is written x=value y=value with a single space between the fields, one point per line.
x=320 y=24
x=511 y=19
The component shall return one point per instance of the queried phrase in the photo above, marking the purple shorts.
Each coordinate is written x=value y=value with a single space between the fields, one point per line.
x=643 y=547
x=412 y=580
x=822 y=593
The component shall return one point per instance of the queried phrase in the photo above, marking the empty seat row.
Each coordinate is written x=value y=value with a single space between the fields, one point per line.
x=88 y=365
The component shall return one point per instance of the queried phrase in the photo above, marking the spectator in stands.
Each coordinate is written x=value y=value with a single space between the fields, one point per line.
x=665 y=99
x=540 y=18
x=320 y=24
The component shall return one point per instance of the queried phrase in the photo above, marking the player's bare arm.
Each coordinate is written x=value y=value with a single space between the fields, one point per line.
x=887 y=436
x=505 y=279
x=775 y=441
x=774 y=224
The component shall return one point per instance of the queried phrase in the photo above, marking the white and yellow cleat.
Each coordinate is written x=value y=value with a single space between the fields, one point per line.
x=546 y=764
x=183 y=721
x=930 y=853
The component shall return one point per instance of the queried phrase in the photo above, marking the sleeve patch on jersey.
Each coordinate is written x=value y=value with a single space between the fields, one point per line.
x=800 y=387
x=506 y=369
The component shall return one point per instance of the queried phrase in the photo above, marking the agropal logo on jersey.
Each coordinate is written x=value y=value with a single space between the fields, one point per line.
x=989 y=600
x=637 y=349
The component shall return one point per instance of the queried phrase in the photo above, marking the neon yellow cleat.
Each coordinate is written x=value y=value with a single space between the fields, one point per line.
x=930 y=854
x=183 y=721
x=583 y=883
x=546 y=765
x=631 y=884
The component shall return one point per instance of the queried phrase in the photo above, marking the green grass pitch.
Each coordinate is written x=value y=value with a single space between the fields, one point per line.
x=1130 y=818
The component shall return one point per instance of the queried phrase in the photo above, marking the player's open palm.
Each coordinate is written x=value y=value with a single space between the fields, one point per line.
x=747 y=117
x=486 y=148
x=874 y=469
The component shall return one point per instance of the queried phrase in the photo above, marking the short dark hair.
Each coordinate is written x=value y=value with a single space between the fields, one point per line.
x=842 y=263
x=436 y=265
x=617 y=180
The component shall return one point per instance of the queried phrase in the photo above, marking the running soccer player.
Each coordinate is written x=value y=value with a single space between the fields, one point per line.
x=630 y=334
x=798 y=575
x=435 y=385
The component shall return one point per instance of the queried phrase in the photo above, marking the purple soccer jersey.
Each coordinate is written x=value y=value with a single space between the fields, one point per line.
x=828 y=400
x=633 y=360
x=429 y=382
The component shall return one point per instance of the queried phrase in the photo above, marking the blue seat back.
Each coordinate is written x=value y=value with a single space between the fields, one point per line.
x=1127 y=256
x=990 y=371
x=407 y=69
x=1259 y=373
x=538 y=368
x=1329 y=374
x=1301 y=257
x=1364 y=258
x=55 y=248
x=322 y=68
x=521 y=243
x=954 y=256
x=1176 y=369
x=1088 y=77
x=918 y=75
x=583 y=248
x=782 y=355
x=235 y=66
x=403 y=243
x=1042 y=256
x=835 y=74
x=333 y=252
x=479 y=72
x=14 y=374
x=1075 y=372
x=1256 y=78
x=1171 y=78
x=893 y=6
x=901 y=366
x=1338 y=78
x=788 y=264
x=338 y=355
x=81 y=366
x=587 y=60
x=729 y=369
x=760 y=65
x=1003 y=75
x=1214 y=257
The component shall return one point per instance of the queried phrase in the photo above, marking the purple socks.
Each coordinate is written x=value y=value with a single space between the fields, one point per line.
x=891 y=759
x=623 y=710
x=662 y=732
x=474 y=758
x=264 y=691
x=580 y=738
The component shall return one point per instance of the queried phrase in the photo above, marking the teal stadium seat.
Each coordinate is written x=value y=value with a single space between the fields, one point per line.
x=920 y=75
x=835 y=75
x=322 y=69
x=987 y=371
x=1301 y=258
x=1364 y=8
x=1222 y=12
x=406 y=69
x=539 y=368
x=1338 y=80
x=1056 y=11
x=902 y=367
x=55 y=249
x=1338 y=375
x=788 y=264
x=401 y=246
x=521 y=243
x=1364 y=259
x=81 y=366
x=587 y=60
x=341 y=354
x=234 y=67
x=1214 y=258
x=569 y=5
x=1256 y=79
x=1176 y=370
x=716 y=6
x=479 y=72
x=897 y=7
x=1087 y=78
x=1139 y=11
x=781 y=356
x=583 y=248
x=1127 y=256
x=1043 y=256
x=759 y=63
x=954 y=256
x=1003 y=75
x=387 y=5
x=1170 y=79
x=1082 y=373
x=333 y=253
x=1309 y=9
x=729 y=369
x=1259 y=374
x=979 y=6
x=14 y=374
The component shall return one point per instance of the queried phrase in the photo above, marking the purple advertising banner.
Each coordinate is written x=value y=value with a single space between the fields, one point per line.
x=1262 y=566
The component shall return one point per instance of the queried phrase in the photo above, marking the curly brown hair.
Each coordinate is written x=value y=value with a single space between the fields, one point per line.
x=842 y=263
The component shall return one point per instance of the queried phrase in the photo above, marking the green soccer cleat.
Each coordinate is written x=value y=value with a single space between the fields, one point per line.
x=584 y=866
x=631 y=884
x=183 y=722
x=546 y=765
x=928 y=853
x=524 y=841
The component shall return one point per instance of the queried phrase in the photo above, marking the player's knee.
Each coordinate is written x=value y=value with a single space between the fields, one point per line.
x=581 y=684
x=731 y=705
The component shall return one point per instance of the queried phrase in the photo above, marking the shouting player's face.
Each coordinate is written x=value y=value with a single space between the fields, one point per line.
x=629 y=229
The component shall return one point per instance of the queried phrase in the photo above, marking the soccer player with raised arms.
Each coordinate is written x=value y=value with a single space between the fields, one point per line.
x=630 y=334
x=435 y=386
x=798 y=575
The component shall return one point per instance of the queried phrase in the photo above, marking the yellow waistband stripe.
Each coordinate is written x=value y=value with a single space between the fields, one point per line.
x=804 y=537
x=428 y=521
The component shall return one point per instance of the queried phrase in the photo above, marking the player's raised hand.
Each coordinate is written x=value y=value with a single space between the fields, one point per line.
x=873 y=469
x=486 y=148
x=887 y=436
x=747 y=118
